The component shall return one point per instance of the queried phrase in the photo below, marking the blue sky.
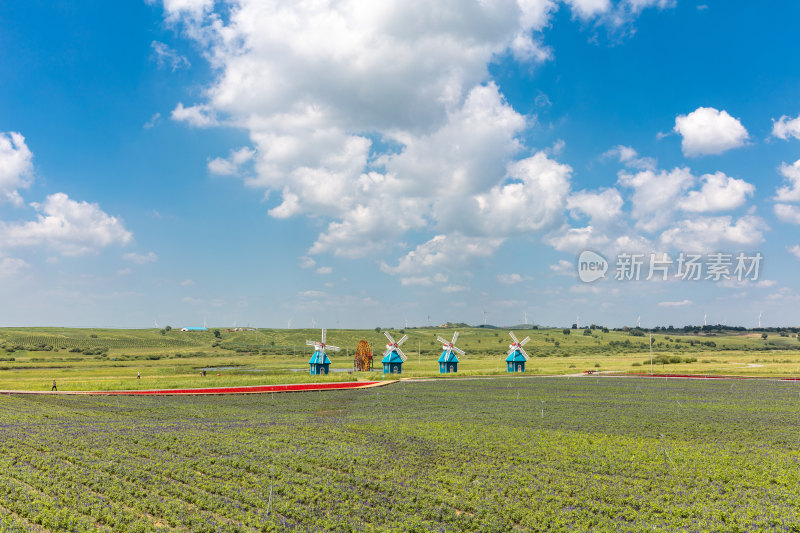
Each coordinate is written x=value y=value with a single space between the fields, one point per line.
x=361 y=164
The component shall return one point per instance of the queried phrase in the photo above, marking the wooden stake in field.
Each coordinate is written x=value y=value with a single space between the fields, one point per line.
x=651 y=354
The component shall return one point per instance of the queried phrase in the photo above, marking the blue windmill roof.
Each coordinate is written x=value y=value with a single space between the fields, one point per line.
x=392 y=357
x=319 y=358
x=516 y=357
x=453 y=358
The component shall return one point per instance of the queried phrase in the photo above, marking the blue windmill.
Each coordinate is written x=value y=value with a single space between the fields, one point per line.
x=448 y=362
x=394 y=357
x=319 y=362
x=517 y=356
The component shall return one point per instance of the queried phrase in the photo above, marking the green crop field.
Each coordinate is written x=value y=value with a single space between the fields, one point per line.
x=498 y=454
x=104 y=359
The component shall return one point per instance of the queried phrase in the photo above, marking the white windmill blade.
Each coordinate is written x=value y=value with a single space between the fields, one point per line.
x=323 y=335
x=524 y=341
x=513 y=337
x=311 y=343
x=438 y=338
x=455 y=336
x=459 y=351
x=391 y=340
x=387 y=352
x=332 y=347
x=447 y=353
x=402 y=340
x=524 y=353
x=401 y=354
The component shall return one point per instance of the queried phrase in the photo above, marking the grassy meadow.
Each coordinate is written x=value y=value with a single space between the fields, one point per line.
x=485 y=455
x=106 y=359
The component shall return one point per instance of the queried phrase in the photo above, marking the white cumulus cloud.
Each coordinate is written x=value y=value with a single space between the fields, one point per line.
x=70 y=227
x=511 y=279
x=533 y=201
x=16 y=167
x=201 y=116
x=790 y=192
x=708 y=131
x=788 y=213
x=786 y=127
x=568 y=239
x=589 y=8
x=563 y=267
x=423 y=280
x=630 y=158
x=444 y=251
x=718 y=193
x=703 y=233
x=655 y=195
x=186 y=8
x=232 y=164
x=381 y=118
x=598 y=206
x=617 y=16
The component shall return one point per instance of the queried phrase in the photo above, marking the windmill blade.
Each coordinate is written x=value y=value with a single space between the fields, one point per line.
x=323 y=335
x=332 y=347
x=447 y=353
x=387 y=352
x=438 y=338
x=524 y=341
x=513 y=337
x=391 y=340
x=459 y=351
x=401 y=354
x=455 y=336
x=524 y=353
x=401 y=341
x=311 y=343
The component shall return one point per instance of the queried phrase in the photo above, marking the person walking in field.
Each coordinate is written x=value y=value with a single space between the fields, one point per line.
x=138 y=375
x=54 y=388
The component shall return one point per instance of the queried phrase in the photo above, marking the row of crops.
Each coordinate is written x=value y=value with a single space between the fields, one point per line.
x=88 y=341
x=484 y=455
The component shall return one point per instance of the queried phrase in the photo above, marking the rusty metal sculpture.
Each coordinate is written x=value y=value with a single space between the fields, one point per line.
x=363 y=359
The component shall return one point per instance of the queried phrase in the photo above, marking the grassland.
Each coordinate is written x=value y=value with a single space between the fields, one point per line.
x=98 y=359
x=499 y=454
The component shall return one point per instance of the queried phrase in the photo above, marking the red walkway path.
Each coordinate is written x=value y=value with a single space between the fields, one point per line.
x=225 y=390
